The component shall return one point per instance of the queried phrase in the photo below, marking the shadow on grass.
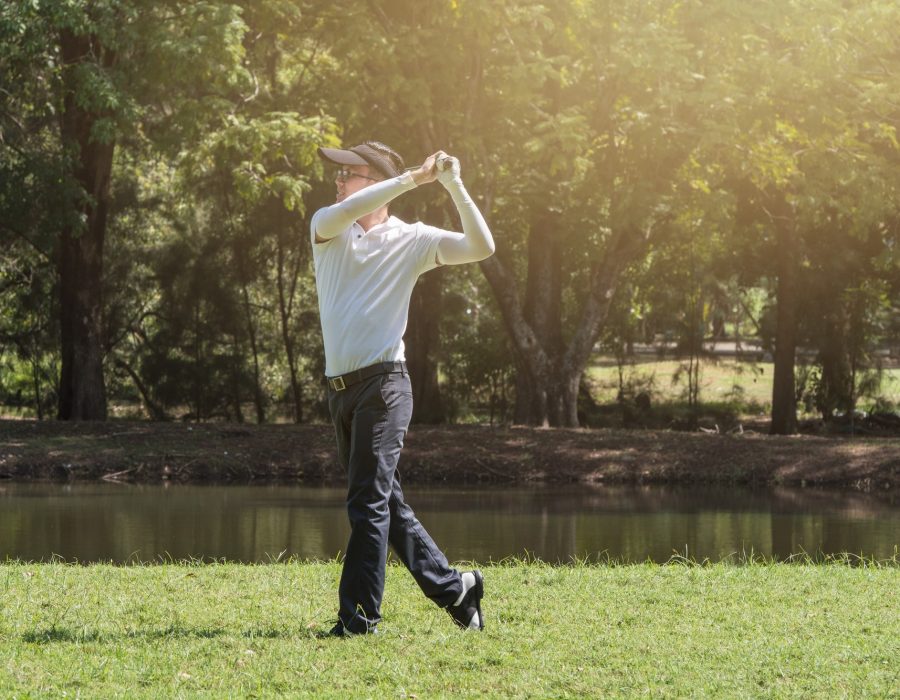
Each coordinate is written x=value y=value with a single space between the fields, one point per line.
x=56 y=634
x=63 y=634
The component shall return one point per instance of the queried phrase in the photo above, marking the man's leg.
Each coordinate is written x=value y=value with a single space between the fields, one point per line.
x=459 y=594
x=380 y=417
x=420 y=554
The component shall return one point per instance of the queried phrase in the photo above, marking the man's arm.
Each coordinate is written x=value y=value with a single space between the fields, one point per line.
x=333 y=220
x=475 y=242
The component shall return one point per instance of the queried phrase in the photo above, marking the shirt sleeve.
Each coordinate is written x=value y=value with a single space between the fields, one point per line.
x=475 y=242
x=426 y=246
x=333 y=220
x=312 y=227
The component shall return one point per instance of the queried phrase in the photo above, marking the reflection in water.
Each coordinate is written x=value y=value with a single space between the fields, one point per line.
x=121 y=522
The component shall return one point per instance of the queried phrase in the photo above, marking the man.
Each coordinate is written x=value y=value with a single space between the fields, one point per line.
x=366 y=264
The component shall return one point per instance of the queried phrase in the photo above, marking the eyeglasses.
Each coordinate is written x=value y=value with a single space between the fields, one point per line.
x=344 y=174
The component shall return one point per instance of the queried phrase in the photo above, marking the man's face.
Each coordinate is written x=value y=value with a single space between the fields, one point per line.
x=353 y=178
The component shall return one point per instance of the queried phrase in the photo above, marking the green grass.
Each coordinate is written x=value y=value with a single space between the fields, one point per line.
x=723 y=630
x=717 y=381
x=746 y=384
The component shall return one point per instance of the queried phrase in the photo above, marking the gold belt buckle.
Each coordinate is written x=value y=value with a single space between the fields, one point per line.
x=336 y=382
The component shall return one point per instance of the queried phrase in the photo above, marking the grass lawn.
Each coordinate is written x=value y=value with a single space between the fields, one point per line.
x=723 y=630
x=746 y=384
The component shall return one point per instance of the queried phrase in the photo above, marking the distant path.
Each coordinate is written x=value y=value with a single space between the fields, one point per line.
x=151 y=452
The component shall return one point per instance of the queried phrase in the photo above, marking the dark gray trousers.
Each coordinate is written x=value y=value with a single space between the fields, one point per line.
x=370 y=421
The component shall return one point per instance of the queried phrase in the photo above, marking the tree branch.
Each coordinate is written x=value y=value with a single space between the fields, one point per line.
x=44 y=254
x=524 y=339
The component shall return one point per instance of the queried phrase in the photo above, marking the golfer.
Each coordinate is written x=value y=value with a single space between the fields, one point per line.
x=367 y=263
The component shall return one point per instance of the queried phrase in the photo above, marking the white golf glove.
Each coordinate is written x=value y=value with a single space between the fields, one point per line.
x=448 y=170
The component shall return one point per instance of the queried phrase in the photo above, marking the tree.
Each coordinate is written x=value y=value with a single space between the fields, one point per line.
x=798 y=139
x=158 y=169
x=606 y=124
x=102 y=68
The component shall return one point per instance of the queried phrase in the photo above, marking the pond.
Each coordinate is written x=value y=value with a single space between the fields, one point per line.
x=131 y=523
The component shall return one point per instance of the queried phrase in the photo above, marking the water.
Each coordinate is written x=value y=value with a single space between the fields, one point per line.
x=123 y=522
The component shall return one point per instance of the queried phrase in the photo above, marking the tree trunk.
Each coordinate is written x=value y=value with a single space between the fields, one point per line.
x=834 y=386
x=156 y=411
x=422 y=341
x=547 y=391
x=258 y=399
x=539 y=397
x=82 y=393
x=562 y=400
x=237 y=365
x=531 y=398
x=784 y=396
x=550 y=400
x=36 y=381
x=285 y=307
x=199 y=370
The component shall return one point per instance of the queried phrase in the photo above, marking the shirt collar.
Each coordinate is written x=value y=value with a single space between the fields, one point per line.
x=391 y=222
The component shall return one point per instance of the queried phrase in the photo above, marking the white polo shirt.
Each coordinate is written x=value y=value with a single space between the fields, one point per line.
x=365 y=281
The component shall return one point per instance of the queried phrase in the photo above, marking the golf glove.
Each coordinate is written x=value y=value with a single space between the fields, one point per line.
x=448 y=170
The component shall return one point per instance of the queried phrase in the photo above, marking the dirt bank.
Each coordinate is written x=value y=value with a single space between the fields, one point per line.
x=150 y=452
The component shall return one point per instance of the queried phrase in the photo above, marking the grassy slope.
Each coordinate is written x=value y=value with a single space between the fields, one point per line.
x=718 y=380
x=722 y=630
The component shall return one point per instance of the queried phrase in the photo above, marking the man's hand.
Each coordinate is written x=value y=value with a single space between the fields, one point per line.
x=428 y=172
x=448 y=169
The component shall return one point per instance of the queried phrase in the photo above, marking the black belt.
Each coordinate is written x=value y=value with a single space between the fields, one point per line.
x=342 y=381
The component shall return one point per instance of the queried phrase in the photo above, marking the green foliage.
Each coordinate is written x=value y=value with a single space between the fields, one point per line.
x=476 y=368
x=659 y=136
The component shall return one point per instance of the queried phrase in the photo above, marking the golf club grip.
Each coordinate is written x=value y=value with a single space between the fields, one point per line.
x=444 y=162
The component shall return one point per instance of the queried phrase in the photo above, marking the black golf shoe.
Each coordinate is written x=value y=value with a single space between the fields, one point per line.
x=340 y=631
x=466 y=612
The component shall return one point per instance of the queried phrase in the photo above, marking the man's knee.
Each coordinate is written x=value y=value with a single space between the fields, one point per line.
x=401 y=513
x=362 y=509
